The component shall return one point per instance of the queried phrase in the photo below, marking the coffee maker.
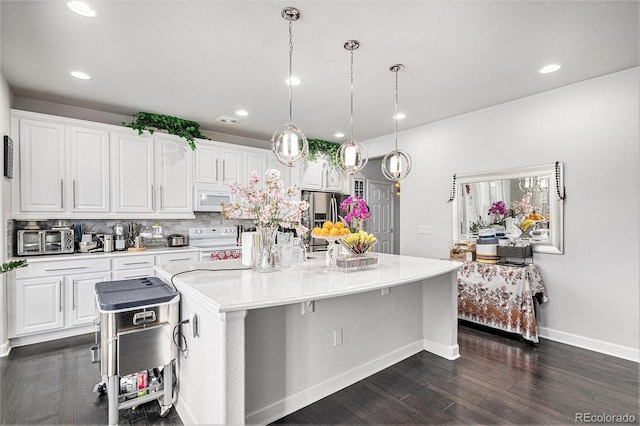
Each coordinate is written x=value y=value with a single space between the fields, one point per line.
x=119 y=237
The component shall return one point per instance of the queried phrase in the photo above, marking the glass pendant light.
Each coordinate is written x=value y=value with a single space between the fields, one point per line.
x=288 y=142
x=352 y=155
x=396 y=165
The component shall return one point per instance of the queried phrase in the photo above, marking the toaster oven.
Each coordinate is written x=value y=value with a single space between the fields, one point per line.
x=44 y=241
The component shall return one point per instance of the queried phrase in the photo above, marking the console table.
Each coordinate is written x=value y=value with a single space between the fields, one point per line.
x=501 y=297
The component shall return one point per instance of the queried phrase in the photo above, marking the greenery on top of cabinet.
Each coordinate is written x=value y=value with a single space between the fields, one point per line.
x=13 y=264
x=317 y=147
x=186 y=129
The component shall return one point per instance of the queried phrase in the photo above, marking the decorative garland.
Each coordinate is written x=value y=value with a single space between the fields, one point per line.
x=452 y=195
x=186 y=129
x=318 y=147
x=562 y=196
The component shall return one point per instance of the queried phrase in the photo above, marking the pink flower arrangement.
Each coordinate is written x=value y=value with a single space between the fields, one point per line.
x=356 y=209
x=523 y=206
x=498 y=209
x=270 y=206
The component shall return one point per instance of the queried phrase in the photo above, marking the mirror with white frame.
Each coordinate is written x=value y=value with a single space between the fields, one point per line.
x=509 y=198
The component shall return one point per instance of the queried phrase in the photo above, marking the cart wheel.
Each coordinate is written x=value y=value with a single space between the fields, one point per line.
x=164 y=410
x=100 y=388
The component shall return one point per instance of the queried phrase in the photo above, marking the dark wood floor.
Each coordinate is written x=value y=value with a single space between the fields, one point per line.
x=52 y=383
x=497 y=380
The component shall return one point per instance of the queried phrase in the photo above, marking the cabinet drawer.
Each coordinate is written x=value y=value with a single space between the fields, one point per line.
x=127 y=274
x=65 y=267
x=163 y=259
x=133 y=262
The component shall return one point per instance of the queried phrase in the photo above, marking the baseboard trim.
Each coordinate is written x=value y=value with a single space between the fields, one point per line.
x=183 y=411
x=600 y=346
x=53 y=335
x=5 y=348
x=314 y=393
x=448 y=352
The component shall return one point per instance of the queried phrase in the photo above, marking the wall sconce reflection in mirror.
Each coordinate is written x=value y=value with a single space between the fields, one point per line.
x=522 y=192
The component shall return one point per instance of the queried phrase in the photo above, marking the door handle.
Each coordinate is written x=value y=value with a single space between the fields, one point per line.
x=74 y=194
x=153 y=198
x=217 y=169
x=62 y=193
x=60 y=296
x=223 y=171
x=144 y=317
x=161 y=197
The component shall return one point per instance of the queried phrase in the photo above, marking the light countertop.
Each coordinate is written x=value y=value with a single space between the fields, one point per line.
x=228 y=290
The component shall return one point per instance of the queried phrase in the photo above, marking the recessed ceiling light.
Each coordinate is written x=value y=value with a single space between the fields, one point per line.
x=294 y=81
x=400 y=116
x=339 y=135
x=80 y=75
x=227 y=120
x=550 y=68
x=81 y=8
x=242 y=113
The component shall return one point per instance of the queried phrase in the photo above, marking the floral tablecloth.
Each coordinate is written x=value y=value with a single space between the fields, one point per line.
x=501 y=297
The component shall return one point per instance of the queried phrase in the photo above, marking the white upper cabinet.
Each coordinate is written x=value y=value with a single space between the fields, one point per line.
x=42 y=166
x=132 y=173
x=173 y=176
x=319 y=175
x=89 y=170
x=217 y=163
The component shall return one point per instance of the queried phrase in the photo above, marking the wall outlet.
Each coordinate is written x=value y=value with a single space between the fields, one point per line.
x=424 y=229
x=337 y=337
x=308 y=307
x=385 y=291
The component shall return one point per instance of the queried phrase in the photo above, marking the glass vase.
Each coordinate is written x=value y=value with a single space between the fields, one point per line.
x=267 y=253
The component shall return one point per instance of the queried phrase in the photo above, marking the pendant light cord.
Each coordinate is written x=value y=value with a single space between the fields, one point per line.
x=290 y=72
x=351 y=120
x=396 y=117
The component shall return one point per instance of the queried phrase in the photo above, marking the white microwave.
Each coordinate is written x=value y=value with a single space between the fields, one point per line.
x=209 y=197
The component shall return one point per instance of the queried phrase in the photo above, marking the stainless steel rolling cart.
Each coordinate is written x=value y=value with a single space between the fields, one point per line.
x=137 y=320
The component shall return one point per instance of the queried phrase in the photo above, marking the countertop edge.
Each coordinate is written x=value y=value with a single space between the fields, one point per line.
x=447 y=267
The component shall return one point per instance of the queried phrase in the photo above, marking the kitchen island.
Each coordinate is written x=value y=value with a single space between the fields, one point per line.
x=267 y=344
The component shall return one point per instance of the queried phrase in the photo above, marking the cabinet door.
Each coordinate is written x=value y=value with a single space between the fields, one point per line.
x=81 y=300
x=285 y=171
x=89 y=170
x=132 y=173
x=335 y=179
x=313 y=175
x=42 y=166
x=207 y=163
x=38 y=305
x=173 y=177
x=256 y=162
x=231 y=165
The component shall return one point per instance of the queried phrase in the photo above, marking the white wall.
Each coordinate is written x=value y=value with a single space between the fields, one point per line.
x=5 y=206
x=592 y=127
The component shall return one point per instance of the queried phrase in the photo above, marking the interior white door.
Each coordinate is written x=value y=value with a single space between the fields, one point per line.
x=380 y=202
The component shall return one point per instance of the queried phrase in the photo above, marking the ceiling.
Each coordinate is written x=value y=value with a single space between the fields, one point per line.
x=202 y=59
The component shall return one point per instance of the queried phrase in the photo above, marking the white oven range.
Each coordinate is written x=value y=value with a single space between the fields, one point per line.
x=216 y=243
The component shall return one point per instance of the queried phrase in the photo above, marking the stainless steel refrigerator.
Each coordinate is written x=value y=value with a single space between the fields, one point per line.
x=322 y=206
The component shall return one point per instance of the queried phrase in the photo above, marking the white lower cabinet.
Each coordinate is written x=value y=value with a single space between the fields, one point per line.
x=38 y=305
x=81 y=298
x=52 y=299
x=50 y=296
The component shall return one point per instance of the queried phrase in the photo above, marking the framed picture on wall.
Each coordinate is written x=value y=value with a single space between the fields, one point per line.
x=8 y=157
